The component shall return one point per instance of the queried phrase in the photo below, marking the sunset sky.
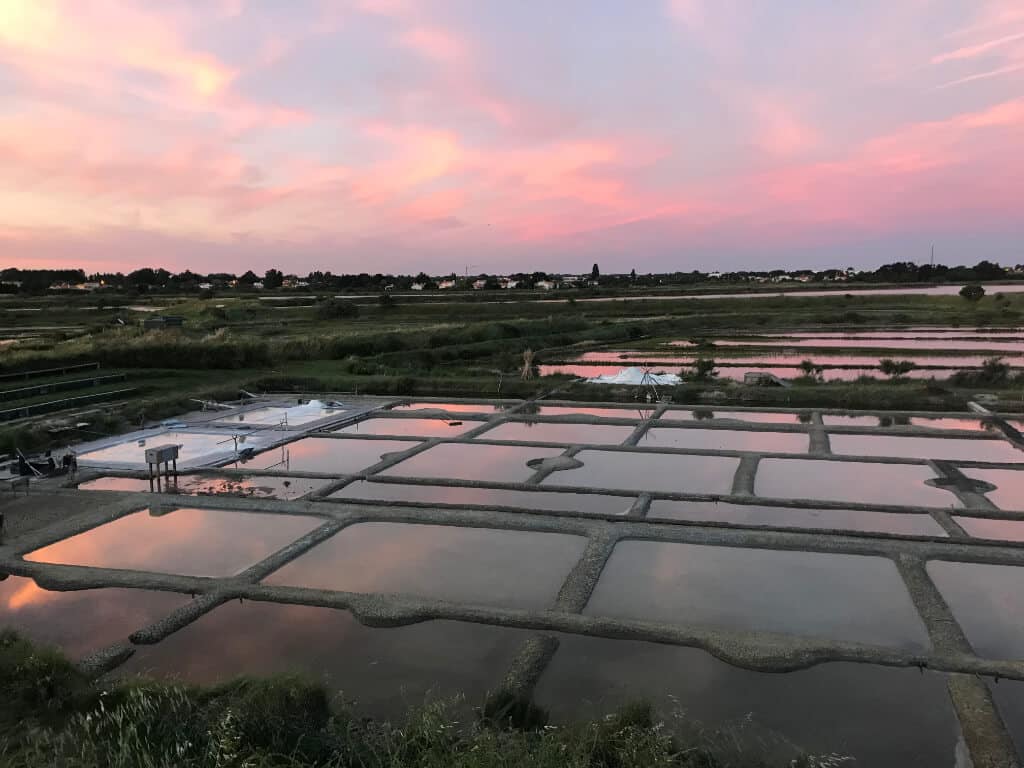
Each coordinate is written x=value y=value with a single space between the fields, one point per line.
x=501 y=135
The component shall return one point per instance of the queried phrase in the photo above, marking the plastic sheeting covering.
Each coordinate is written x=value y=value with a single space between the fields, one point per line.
x=637 y=377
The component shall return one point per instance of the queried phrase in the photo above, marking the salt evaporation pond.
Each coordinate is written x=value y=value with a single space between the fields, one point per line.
x=257 y=487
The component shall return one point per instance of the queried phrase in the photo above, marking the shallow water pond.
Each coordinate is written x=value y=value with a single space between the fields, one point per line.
x=326 y=455
x=850 y=481
x=726 y=440
x=952 y=448
x=192 y=542
x=410 y=427
x=83 y=621
x=566 y=434
x=796 y=517
x=581 y=503
x=842 y=597
x=495 y=463
x=670 y=473
x=988 y=602
x=520 y=569
x=886 y=718
x=257 y=487
x=385 y=670
x=1009 y=483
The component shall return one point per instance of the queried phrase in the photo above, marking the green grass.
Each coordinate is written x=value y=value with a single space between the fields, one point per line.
x=52 y=715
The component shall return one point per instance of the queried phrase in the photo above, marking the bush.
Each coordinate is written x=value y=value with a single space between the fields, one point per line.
x=972 y=292
x=336 y=309
x=896 y=368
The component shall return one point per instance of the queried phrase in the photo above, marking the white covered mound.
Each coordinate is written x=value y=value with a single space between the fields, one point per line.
x=636 y=376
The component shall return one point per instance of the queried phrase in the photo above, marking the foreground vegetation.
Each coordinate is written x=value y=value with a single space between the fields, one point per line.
x=52 y=714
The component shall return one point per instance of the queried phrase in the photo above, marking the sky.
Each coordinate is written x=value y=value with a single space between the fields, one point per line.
x=509 y=135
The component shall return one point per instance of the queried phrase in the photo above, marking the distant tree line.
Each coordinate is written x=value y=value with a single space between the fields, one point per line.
x=147 y=279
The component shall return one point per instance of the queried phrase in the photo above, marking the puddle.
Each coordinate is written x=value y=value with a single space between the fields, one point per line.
x=285 y=415
x=409 y=427
x=608 y=413
x=83 y=621
x=649 y=472
x=456 y=407
x=258 y=487
x=754 y=417
x=795 y=517
x=726 y=440
x=326 y=455
x=192 y=542
x=842 y=597
x=951 y=448
x=1009 y=698
x=988 y=602
x=1009 y=483
x=986 y=528
x=567 y=434
x=495 y=463
x=385 y=670
x=518 y=569
x=582 y=503
x=857 y=481
x=885 y=718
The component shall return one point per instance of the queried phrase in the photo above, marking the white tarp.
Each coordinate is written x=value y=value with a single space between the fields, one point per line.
x=637 y=376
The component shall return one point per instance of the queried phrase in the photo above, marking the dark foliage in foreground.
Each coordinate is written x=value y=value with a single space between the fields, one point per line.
x=52 y=714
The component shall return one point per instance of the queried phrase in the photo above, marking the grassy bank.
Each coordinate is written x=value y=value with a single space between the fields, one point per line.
x=51 y=714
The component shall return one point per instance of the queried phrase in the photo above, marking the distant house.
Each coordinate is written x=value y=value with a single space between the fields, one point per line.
x=418 y=286
x=445 y=284
x=479 y=285
x=715 y=275
x=544 y=285
x=206 y=286
x=570 y=279
x=508 y=282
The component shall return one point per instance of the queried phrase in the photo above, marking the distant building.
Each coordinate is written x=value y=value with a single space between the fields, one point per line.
x=479 y=285
x=206 y=286
x=418 y=286
x=445 y=284
x=508 y=282
x=544 y=285
x=258 y=286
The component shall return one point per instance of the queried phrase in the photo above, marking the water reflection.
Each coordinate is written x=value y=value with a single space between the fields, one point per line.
x=581 y=503
x=192 y=542
x=384 y=670
x=649 y=472
x=80 y=622
x=477 y=565
x=495 y=463
x=487 y=408
x=988 y=602
x=796 y=517
x=1009 y=492
x=886 y=718
x=951 y=448
x=409 y=427
x=851 y=481
x=546 y=432
x=755 y=417
x=258 y=487
x=726 y=440
x=845 y=597
x=326 y=455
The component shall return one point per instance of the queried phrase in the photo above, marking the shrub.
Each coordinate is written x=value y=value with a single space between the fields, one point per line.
x=972 y=292
x=336 y=309
x=896 y=368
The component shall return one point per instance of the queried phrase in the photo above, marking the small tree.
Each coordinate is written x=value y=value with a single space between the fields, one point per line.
x=273 y=278
x=896 y=368
x=994 y=370
x=812 y=370
x=972 y=292
x=595 y=272
x=703 y=369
